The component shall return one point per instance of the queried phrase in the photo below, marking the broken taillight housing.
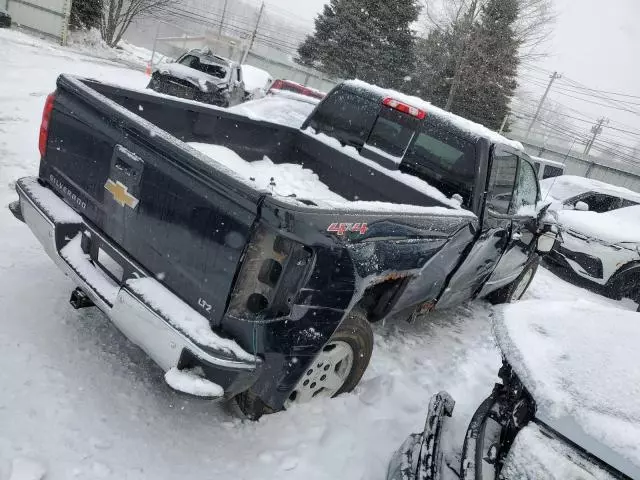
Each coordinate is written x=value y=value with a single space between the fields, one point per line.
x=272 y=272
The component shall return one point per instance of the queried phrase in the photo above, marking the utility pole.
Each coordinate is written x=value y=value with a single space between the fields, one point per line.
x=224 y=13
x=596 y=130
x=554 y=77
x=504 y=123
x=253 y=35
x=155 y=44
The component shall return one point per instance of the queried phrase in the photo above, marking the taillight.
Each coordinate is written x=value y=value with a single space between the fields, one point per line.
x=277 y=85
x=404 y=108
x=44 y=126
x=270 y=277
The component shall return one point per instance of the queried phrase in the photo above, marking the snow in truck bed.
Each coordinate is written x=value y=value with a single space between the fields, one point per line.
x=581 y=363
x=292 y=182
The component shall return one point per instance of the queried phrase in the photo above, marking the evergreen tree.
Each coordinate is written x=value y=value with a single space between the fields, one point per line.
x=488 y=71
x=85 y=14
x=470 y=67
x=366 y=39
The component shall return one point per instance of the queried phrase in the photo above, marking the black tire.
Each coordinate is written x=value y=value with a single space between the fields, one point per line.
x=355 y=330
x=624 y=285
x=507 y=294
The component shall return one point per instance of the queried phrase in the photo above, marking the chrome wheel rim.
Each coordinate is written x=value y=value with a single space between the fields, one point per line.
x=326 y=375
x=522 y=285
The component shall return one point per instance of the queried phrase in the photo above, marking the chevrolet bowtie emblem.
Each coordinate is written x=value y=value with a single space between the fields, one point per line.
x=121 y=194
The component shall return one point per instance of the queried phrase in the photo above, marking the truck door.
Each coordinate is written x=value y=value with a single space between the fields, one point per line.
x=495 y=235
x=520 y=242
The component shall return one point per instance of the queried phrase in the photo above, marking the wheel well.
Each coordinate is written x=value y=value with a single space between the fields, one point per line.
x=629 y=268
x=378 y=299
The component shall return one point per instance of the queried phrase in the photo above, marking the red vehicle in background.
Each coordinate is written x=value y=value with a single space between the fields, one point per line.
x=290 y=86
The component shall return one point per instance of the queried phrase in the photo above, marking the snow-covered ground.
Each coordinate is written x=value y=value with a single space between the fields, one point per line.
x=77 y=400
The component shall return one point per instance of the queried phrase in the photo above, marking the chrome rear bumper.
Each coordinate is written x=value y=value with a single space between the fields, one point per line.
x=58 y=228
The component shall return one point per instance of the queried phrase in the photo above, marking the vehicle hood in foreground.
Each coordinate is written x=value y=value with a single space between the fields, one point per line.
x=617 y=226
x=579 y=361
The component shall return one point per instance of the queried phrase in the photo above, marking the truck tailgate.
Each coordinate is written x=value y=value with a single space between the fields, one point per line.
x=183 y=221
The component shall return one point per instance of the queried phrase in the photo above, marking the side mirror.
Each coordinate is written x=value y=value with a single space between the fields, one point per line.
x=581 y=206
x=546 y=241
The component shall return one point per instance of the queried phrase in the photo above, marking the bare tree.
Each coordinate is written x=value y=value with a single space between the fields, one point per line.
x=533 y=27
x=117 y=16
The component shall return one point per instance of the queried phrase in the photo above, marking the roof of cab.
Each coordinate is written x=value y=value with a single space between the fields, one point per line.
x=206 y=52
x=465 y=127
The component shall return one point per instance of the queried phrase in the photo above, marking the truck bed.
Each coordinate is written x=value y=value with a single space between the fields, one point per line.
x=119 y=158
x=253 y=140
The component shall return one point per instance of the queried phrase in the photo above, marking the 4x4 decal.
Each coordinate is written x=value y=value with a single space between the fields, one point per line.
x=342 y=228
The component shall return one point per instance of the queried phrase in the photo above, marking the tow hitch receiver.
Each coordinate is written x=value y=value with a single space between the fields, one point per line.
x=79 y=299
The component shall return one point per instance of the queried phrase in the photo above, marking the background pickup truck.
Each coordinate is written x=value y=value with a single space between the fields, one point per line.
x=236 y=289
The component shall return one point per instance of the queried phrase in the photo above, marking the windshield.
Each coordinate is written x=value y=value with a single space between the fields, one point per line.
x=205 y=66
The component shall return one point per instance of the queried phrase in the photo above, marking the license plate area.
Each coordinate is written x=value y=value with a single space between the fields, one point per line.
x=110 y=266
x=111 y=262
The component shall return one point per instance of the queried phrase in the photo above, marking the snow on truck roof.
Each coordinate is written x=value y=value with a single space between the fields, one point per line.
x=471 y=128
x=581 y=363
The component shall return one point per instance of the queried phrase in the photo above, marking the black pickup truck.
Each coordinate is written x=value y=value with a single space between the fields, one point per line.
x=237 y=291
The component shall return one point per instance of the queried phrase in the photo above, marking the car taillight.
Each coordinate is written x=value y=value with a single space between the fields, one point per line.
x=272 y=270
x=44 y=126
x=404 y=108
x=277 y=85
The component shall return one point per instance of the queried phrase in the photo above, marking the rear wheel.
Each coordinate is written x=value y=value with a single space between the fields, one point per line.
x=516 y=289
x=337 y=368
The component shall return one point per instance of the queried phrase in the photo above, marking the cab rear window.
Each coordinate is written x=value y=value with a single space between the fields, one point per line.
x=444 y=160
x=346 y=116
x=391 y=135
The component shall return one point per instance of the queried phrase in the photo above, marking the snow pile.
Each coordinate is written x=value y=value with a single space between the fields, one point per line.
x=140 y=54
x=284 y=180
x=54 y=206
x=616 y=226
x=290 y=181
x=89 y=42
x=535 y=455
x=256 y=81
x=87 y=39
x=474 y=129
x=565 y=187
x=193 y=383
x=183 y=317
x=26 y=469
x=580 y=361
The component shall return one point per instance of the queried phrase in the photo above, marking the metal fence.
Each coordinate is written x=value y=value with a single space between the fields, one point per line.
x=576 y=164
x=289 y=71
x=45 y=17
